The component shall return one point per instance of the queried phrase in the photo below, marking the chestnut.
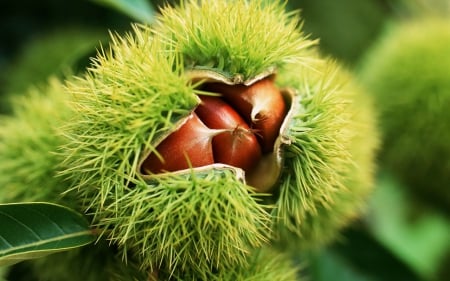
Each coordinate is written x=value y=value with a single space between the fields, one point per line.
x=238 y=145
x=261 y=104
x=189 y=146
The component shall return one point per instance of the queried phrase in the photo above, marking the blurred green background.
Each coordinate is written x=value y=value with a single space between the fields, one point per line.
x=401 y=237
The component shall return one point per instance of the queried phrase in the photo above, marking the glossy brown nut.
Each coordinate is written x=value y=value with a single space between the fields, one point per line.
x=261 y=104
x=189 y=146
x=237 y=146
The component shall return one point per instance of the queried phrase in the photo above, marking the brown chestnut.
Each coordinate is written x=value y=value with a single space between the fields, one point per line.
x=261 y=104
x=237 y=146
x=189 y=146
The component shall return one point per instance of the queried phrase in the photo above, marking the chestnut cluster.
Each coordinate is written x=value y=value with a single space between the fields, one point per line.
x=235 y=125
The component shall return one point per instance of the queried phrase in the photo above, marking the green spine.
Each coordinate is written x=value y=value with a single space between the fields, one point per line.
x=245 y=38
x=329 y=166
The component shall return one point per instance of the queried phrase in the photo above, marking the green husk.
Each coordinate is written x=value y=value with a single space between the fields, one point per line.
x=328 y=164
x=124 y=109
x=205 y=220
x=130 y=99
x=28 y=144
x=407 y=74
x=234 y=38
x=328 y=170
x=133 y=95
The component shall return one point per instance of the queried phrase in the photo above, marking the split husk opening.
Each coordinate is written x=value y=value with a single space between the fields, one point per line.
x=265 y=174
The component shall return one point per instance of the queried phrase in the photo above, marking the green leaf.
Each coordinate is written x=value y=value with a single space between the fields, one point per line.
x=417 y=235
x=357 y=256
x=140 y=10
x=32 y=230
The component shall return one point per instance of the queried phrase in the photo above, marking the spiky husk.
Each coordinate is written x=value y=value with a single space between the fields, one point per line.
x=135 y=95
x=28 y=144
x=130 y=99
x=329 y=162
x=202 y=221
x=264 y=264
x=235 y=37
x=328 y=172
x=407 y=73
